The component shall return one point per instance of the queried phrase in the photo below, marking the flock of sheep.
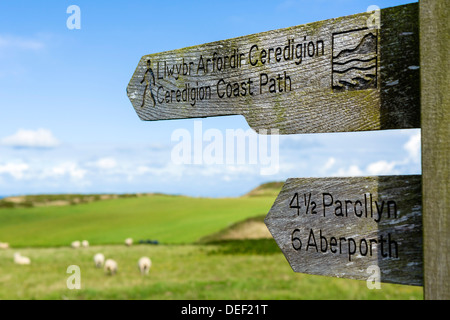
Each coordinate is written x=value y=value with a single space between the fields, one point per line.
x=110 y=265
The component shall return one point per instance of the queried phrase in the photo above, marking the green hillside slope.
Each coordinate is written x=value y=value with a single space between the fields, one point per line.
x=168 y=219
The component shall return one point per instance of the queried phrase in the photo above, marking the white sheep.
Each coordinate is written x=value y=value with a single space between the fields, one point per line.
x=19 y=259
x=144 y=265
x=85 y=243
x=128 y=242
x=76 y=244
x=4 y=245
x=110 y=267
x=99 y=259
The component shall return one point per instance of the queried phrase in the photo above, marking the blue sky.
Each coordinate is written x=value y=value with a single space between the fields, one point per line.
x=67 y=125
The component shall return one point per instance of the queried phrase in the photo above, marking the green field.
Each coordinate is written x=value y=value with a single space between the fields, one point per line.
x=182 y=267
x=168 y=219
x=179 y=272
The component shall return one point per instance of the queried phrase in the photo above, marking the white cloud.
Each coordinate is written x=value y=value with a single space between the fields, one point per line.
x=14 y=42
x=143 y=170
x=381 y=167
x=350 y=172
x=330 y=162
x=170 y=172
x=40 y=138
x=16 y=170
x=68 y=168
x=413 y=147
x=106 y=163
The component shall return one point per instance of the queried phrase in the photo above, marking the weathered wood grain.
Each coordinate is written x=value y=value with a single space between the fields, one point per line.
x=435 y=97
x=338 y=75
x=383 y=216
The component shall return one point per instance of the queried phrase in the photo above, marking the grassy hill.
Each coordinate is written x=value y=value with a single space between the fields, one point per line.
x=269 y=189
x=57 y=220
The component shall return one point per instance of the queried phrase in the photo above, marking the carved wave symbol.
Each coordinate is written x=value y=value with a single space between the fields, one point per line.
x=355 y=69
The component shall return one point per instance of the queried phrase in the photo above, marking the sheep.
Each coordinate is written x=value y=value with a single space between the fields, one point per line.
x=19 y=259
x=128 y=242
x=144 y=265
x=99 y=259
x=76 y=244
x=85 y=243
x=4 y=245
x=110 y=267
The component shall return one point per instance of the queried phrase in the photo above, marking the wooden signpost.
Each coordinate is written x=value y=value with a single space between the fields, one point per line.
x=354 y=73
x=338 y=75
x=342 y=227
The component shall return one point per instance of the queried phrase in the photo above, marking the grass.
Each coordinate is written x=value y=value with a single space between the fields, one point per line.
x=190 y=272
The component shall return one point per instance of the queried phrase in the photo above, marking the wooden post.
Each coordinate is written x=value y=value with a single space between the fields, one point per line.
x=435 y=114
